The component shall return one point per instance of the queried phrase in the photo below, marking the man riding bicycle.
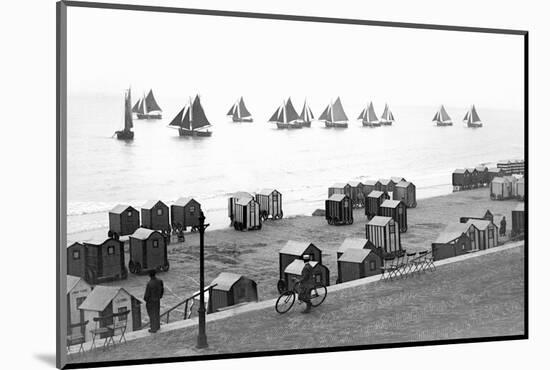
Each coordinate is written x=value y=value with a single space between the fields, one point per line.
x=306 y=284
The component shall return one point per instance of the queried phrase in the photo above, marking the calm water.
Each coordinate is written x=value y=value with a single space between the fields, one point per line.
x=158 y=164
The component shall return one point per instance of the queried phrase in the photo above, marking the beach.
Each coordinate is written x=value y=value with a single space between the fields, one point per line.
x=255 y=253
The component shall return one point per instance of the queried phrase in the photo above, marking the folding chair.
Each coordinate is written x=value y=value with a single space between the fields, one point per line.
x=389 y=268
x=76 y=339
x=409 y=264
x=399 y=264
x=120 y=322
x=420 y=261
x=430 y=262
x=102 y=329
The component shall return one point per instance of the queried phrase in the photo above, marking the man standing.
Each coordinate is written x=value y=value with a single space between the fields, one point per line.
x=503 y=226
x=306 y=284
x=153 y=294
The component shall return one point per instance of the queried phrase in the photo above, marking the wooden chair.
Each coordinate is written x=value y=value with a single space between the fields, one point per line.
x=430 y=262
x=76 y=339
x=408 y=269
x=120 y=323
x=389 y=268
x=102 y=328
x=420 y=262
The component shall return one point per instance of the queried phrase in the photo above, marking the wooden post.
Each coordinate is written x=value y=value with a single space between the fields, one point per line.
x=201 y=339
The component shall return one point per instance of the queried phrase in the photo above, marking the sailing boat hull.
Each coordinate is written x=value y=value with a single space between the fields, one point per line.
x=386 y=123
x=443 y=124
x=371 y=124
x=149 y=116
x=336 y=124
x=475 y=125
x=246 y=119
x=306 y=123
x=294 y=125
x=201 y=133
x=125 y=135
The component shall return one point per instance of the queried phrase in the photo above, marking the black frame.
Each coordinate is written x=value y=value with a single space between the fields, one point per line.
x=61 y=153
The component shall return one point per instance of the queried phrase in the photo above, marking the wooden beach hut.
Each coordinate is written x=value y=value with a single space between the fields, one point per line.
x=384 y=233
x=483 y=175
x=405 y=191
x=184 y=213
x=247 y=215
x=387 y=185
x=154 y=215
x=474 y=178
x=374 y=201
x=76 y=260
x=123 y=220
x=397 y=210
x=339 y=188
x=293 y=273
x=148 y=251
x=492 y=173
x=231 y=203
x=354 y=243
x=231 y=289
x=77 y=291
x=452 y=242
x=104 y=261
x=371 y=185
x=500 y=189
x=297 y=250
x=486 y=235
x=271 y=203
x=356 y=193
x=520 y=188
x=512 y=181
x=339 y=210
x=461 y=179
x=358 y=263
x=518 y=220
x=104 y=301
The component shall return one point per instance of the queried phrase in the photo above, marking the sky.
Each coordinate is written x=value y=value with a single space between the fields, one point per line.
x=179 y=55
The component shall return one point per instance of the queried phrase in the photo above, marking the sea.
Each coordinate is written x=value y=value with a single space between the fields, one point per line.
x=158 y=164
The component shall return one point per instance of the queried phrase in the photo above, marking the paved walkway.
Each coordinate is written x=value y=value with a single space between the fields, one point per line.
x=270 y=303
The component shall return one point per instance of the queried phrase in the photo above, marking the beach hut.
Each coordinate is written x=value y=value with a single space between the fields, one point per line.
x=500 y=189
x=374 y=201
x=487 y=216
x=356 y=193
x=518 y=220
x=185 y=212
x=104 y=261
x=148 y=251
x=492 y=173
x=247 y=215
x=339 y=210
x=397 y=179
x=104 y=301
x=397 y=210
x=293 y=273
x=123 y=220
x=474 y=177
x=231 y=203
x=271 y=203
x=452 y=242
x=486 y=235
x=76 y=260
x=154 y=215
x=512 y=188
x=520 y=189
x=297 y=250
x=77 y=291
x=384 y=233
x=405 y=191
x=354 y=243
x=358 y=263
x=461 y=179
x=387 y=185
x=339 y=188
x=483 y=175
x=371 y=185
x=230 y=289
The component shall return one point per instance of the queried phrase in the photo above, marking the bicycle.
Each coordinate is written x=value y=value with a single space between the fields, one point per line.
x=286 y=299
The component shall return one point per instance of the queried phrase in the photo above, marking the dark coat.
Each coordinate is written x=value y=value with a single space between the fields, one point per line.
x=307 y=277
x=154 y=290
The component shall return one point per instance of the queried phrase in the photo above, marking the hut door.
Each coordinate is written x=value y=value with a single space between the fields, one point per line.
x=79 y=301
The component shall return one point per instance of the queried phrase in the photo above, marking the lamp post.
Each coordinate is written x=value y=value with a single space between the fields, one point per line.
x=201 y=339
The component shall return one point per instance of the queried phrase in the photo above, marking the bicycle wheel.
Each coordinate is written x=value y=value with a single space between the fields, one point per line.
x=285 y=302
x=318 y=295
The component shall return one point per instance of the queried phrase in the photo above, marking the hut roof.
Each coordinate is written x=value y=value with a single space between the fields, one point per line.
x=389 y=203
x=520 y=207
x=451 y=232
x=370 y=182
x=120 y=208
x=471 y=169
x=295 y=248
x=355 y=255
x=71 y=282
x=225 y=281
x=151 y=203
x=500 y=180
x=297 y=266
x=337 y=197
x=480 y=224
x=397 y=179
x=244 y=201
x=375 y=194
x=521 y=179
x=338 y=185
x=98 y=240
x=72 y=244
x=510 y=178
x=403 y=184
x=385 y=181
x=460 y=170
x=266 y=191
x=241 y=194
x=352 y=243
x=142 y=233
x=482 y=168
x=355 y=183
x=183 y=201
x=100 y=297
x=379 y=221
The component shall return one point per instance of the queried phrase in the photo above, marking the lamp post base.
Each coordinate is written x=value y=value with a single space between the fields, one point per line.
x=201 y=342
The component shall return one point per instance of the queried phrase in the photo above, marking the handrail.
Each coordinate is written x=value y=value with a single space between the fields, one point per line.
x=185 y=301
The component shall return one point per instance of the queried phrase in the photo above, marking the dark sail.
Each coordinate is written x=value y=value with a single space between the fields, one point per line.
x=325 y=116
x=198 y=117
x=370 y=114
x=436 y=117
x=362 y=115
x=128 y=122
x=232 y=110
x=444 y=115
x=186 y=119
x=306 y=115
x=177 y=120
x=281 y=114
x=466 y=117
x=151 y=103
x=311 y=116
x=338 y=114
x=390 y=117
x=275 y=115
x=474 y=115
x=140 y=108
x=135 y=109
x=291 y=114
x=242 y=109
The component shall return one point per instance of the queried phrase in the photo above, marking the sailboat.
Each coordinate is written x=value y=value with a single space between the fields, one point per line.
x=387 y=116
x=147 y=107
x=239 y=113
x=286 y=116
x=442 y=118
x=368 y=117
x=334 y=115
x=191 y=120
x=306 y=116
x=127 y=133
x=472 y=118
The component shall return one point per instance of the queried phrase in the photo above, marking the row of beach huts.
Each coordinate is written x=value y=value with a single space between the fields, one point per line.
x=474 y=177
